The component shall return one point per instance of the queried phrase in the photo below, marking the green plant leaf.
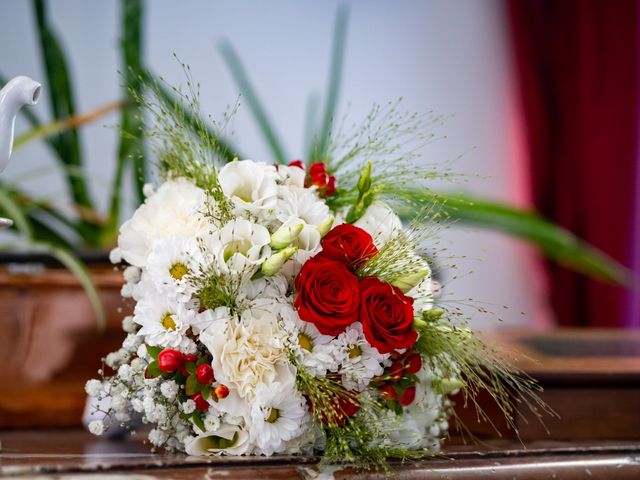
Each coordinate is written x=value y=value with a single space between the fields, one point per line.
x=319 y=150
x=242 y=81
x=153 y=351
x=131 y=149
x=192 y=386
x=77 y=268
x=197 y=419
x=555 y=242
x=20 y=221
x=58 y=83
x=152 y=370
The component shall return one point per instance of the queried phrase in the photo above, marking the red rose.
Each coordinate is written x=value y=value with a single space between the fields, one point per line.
x=328 y=295
x=348 y=244
x=386 y=315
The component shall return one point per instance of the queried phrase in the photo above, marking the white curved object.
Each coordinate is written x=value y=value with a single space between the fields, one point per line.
x=17 y=93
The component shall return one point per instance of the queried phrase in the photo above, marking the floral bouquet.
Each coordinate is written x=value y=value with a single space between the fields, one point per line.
x=284 y=309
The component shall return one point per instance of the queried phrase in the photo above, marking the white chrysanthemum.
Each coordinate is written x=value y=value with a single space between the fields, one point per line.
x=312 y=349
x=164 y=320
x=360 y=362
x=380 y=222
x=175 y=209
x=171 y=262
x=250 y=185
x=205 y=319
x=240 y=247
x=278 y=414
x=248 y=351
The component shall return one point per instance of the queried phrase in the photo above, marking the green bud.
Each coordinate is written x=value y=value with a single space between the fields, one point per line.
x=407 y=282
x=364 y=182
x=419 y=324
x=325 y=226
x=285 y=235
x=274 y=263
x=445 y=386
x=433 y=315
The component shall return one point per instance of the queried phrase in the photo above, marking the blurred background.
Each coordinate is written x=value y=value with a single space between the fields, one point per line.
x=541 y=100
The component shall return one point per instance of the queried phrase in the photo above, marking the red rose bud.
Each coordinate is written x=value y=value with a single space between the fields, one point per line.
x=331 y=186
x=388 y=392
x=297 y=163
x=201 y=404
x=169 y=360
x=221 y=391
x=408 y=396
x=204 y=374
x=318 y=168
x=395 y=371
x=413 y=363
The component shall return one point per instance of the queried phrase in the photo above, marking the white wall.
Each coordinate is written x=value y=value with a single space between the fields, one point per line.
x=450 y=56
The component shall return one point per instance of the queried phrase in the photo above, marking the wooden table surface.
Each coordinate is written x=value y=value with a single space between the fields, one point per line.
x=74 y=454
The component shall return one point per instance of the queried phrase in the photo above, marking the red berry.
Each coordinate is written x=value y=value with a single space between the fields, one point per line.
x=388 y=392
x=395 y=355
x=204 y=374
x=413 y=363
x=318 y=168
x=297 y=163
x=190 y=357
x=201 y=404
x=169 y=360
x=408 y=396
x=331 y=186
x=221 y=391
x=395 y=371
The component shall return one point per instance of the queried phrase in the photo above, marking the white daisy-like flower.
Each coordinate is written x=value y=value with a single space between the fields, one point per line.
x=164 y=320
x=175 y=209
x=172 y=262
x=360 y=362
x=250 y=185
x=239 y=247
x=278 y=415
x=206 y=318
x=380 y=222
x=312 y=349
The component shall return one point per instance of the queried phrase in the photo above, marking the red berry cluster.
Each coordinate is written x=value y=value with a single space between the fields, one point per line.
x=318 y=176
x=398 y=384
x=193 y=372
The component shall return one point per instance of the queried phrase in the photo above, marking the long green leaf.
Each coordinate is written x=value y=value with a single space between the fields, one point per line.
x=16 y=214
x=131 y=149
x=555 y=242
x=242 y=80
x=319 y=150
x=77 y=268
x=58 y=83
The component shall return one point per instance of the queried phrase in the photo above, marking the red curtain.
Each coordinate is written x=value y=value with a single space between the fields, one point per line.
x=577 y=67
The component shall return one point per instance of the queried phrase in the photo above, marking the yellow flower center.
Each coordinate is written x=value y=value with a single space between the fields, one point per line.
x=178 y=270
x=274 y=415
x=168 y=322
x=305 y=342
x=355 y=352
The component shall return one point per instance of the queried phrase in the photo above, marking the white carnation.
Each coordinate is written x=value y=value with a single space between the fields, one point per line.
x=380 y=222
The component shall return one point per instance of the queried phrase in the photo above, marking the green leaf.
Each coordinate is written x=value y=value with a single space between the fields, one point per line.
x=77 y=268
x=557 y=243
x=242 y=80
x=319 y=150
x=190 y=367
x=206 y=391
x=16 y=214
x=197 y=419
x=152 y=370
x=58 y=83
x=192 y=386
x=153 y=351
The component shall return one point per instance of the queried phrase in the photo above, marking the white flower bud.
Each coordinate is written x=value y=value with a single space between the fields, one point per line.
x=96 y=427
x=408 y=282
x=325 y=226
x=283 y=237
x=274 y=263
x=93 y=387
